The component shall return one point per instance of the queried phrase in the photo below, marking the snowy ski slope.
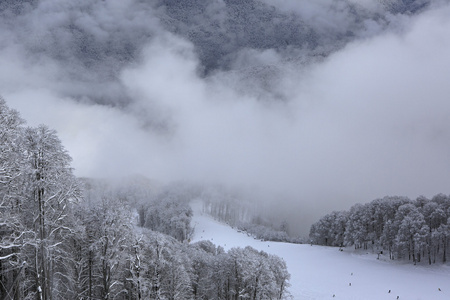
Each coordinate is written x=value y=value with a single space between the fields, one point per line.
x=326 y=273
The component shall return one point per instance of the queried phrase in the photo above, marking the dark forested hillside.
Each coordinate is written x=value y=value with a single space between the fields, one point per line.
x=97 y=40
x=223 y=31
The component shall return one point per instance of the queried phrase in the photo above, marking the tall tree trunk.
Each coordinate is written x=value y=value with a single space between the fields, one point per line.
x=42 y=241
x=3 y=289
x=38 y=275
x=444 y=256
x=105 y=270
x=280 y=295
x=90 y=275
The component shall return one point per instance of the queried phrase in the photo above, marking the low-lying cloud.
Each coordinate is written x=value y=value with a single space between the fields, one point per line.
x=368 y=120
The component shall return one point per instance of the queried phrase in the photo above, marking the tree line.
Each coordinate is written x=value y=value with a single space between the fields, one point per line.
x=397 y=226
x=62 y=237
x=168 y=211
x=245 y=215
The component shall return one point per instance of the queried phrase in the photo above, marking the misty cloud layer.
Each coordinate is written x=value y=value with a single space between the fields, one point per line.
x=350 y=107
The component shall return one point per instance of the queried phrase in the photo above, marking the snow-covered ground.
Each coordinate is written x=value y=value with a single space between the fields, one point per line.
x=323 y=272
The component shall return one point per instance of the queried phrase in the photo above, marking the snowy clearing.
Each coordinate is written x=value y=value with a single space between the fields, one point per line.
x=319 y=272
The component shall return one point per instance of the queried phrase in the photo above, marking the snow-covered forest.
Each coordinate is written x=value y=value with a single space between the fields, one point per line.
x=67 y=238
x=321 y=272
x=404 y=229
x=248 y=215
x=252 y=117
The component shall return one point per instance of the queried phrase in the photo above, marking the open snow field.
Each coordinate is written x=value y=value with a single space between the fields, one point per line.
x=319 y=272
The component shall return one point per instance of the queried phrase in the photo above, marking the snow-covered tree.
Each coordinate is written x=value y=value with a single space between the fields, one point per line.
x=57 y=242
x=169 y=212
x=50 y=190
x=414 y=229
x=12 y=231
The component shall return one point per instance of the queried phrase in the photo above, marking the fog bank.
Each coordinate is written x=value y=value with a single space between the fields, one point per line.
x=313 y=127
